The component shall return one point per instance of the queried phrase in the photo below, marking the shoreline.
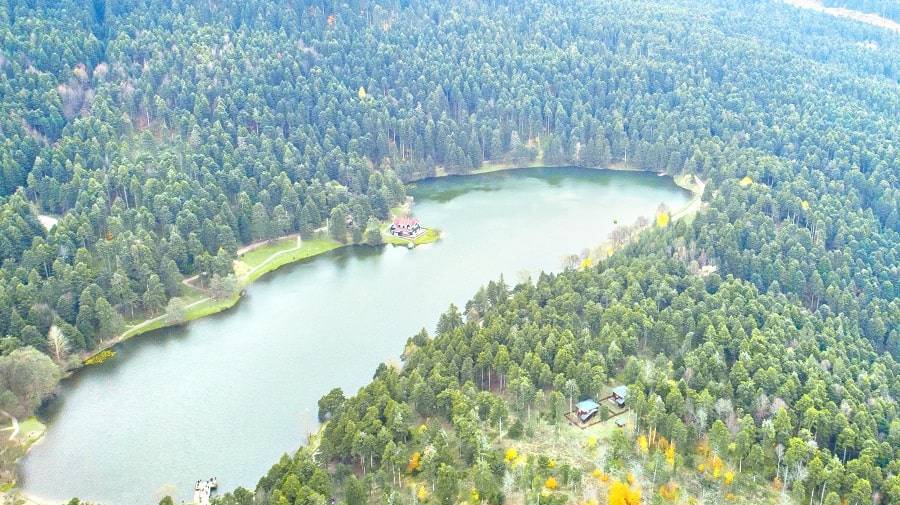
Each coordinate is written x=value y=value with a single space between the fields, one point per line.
x=687 y=182
x=206 y=305
x=488 y=167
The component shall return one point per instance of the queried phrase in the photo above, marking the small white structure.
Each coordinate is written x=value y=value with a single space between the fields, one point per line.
x=203 y=490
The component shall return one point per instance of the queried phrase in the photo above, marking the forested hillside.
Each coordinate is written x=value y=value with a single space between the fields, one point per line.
x=772 y=376
x=164 y=134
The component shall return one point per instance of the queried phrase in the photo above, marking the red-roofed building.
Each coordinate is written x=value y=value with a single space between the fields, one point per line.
x=406 y=226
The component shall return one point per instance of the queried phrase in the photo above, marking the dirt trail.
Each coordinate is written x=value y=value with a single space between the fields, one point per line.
x=272 y=257
x=15 y=424
x=256 y=245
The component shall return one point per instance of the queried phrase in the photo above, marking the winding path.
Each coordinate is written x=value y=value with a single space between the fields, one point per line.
x=14 y=427
x=272 y=257
x=696 y=202
x=127 y=333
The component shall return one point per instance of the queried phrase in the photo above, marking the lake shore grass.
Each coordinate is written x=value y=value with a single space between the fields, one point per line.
x=25 y=434
x=431 y=235
x=248 y=268
x=282 y=252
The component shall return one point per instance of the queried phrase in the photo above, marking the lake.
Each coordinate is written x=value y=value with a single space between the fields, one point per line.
x=226 y=396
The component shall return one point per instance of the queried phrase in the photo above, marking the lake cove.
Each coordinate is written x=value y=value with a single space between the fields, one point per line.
x=225 y=396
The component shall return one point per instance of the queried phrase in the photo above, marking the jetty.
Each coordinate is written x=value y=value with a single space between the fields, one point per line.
x=203 y=490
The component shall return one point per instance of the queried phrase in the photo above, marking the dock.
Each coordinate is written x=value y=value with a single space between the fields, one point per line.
x=203 y=491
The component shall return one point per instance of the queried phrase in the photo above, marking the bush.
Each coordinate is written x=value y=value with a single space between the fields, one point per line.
x=516 y=430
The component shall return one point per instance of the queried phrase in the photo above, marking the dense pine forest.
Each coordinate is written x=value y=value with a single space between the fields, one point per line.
x=759 y=340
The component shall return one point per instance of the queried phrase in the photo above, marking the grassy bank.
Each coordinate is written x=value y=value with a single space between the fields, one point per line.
x=198 y=305
x=248 y=268
x=430 y=235
x=258 y=262
x=22 y=436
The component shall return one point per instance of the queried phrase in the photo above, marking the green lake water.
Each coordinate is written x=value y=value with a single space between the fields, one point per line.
x=227 y=395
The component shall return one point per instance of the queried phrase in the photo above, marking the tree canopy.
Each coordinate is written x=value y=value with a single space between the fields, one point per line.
x=166 y=134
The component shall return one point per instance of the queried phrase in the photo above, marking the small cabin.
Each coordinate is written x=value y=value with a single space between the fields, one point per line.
x=586 y=409
x=618 y=395
x=406 y=226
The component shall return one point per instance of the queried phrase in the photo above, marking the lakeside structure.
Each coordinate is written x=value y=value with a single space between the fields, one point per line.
x=203 y=491
x=406 y=227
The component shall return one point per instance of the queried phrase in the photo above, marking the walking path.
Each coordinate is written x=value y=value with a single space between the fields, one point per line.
x=696 y=202
x=256 y=245
x=136 y=328
x=14 y=427
x=272 y=257
x=127 y=333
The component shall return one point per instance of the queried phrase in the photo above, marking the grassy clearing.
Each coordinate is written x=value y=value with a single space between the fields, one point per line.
x=430 y=235
x=251 y=266
x=688 y=182
x=148 y=325
x=492 y=166
x=210 y=307
x=259 y=256
x=277 y=255
x=30 y=430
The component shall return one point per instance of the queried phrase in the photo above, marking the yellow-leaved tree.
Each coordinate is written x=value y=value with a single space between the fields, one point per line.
x=621 y=493
x=421 y=493
x=670 y=454
x=662 y=219
x=643 y=445
x=728 y=478
x=415 y=463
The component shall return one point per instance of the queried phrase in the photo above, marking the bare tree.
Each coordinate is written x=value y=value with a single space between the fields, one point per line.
x=58 y=343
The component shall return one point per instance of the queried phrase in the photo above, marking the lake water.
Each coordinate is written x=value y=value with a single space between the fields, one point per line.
x=227 y=395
